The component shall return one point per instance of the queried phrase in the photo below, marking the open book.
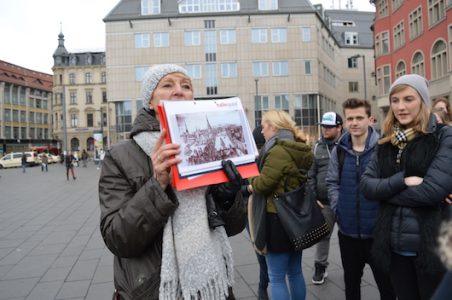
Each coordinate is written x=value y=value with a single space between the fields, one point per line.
x=208 y=132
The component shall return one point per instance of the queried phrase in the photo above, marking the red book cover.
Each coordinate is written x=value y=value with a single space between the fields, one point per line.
x=208 y=132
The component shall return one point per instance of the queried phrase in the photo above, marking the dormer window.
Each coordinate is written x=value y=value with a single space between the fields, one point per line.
x=203 y=6
x=268 y=4
x=150 y=7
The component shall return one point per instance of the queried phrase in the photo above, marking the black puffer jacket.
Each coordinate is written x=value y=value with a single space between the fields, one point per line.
x=134 y=211
x=409 y=217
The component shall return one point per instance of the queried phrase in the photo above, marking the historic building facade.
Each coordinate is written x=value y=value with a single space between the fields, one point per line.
x=80 y=98
x=25 y=109
x=271 y=54
x=413 y=37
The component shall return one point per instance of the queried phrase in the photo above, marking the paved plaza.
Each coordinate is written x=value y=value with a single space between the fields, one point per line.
x=51 y=247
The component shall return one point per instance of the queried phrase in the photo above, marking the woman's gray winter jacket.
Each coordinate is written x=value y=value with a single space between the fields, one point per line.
x=134 y=211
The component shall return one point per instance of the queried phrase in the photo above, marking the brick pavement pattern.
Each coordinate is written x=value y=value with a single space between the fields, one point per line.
x=51 y=247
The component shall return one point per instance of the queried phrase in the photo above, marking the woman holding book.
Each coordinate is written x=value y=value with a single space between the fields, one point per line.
x=285 y=156
x=165 y=246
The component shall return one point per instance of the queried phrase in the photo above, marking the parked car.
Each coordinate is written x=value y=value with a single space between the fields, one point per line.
x=50 y=158
x=14 y=159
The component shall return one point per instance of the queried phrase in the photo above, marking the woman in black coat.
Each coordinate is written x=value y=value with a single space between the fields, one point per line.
x=411 y=176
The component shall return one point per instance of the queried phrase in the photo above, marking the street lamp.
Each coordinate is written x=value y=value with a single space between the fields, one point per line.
x=364 y=71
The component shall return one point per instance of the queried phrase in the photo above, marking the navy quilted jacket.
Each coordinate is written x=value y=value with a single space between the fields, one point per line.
x=355 y=214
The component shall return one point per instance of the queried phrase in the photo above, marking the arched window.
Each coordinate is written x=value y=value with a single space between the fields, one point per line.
x=439 y=60
x=400 y=69
x=75 y=144
x=417 y=66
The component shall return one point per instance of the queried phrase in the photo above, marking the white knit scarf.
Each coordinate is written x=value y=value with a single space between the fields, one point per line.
x=196 y=261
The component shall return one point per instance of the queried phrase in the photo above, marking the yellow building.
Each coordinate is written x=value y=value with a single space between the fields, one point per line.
x=81 y=98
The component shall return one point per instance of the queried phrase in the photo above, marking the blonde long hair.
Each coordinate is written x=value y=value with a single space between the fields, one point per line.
x=282 y=120
x=420 y=122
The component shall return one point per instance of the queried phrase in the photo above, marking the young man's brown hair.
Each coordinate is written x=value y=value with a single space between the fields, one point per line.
x=353 y=103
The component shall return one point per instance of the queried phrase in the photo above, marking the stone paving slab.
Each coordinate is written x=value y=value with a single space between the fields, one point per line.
x=51 y=247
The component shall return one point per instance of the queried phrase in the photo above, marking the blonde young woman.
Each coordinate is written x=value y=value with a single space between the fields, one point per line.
x=410 y=176
x=282 y=156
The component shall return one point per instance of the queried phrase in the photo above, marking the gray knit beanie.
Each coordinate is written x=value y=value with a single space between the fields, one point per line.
x=152 y=77
x=417 y=82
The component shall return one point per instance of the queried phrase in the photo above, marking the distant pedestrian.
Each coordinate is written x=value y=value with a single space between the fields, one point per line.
x=24 y=162
x=69 y=159
x=101 y=158
x=84 y=158
x=44 y=162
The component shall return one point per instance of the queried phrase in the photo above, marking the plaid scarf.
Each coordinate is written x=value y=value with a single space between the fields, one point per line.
x=400 y=138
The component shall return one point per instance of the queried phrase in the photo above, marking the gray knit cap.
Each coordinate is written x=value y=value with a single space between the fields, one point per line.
x=152 y=77
x=417 y=82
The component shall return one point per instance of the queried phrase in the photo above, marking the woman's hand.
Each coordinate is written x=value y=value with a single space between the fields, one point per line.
x=413 y=180
x=163 y=157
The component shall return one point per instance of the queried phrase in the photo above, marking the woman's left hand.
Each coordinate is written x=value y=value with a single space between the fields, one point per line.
x=163 y=158
x=413 y=180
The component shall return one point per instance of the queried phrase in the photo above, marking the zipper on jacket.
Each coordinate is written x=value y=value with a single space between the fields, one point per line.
x=358 y=205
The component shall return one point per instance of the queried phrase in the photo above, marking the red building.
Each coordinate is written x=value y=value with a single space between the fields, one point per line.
x=413 y=37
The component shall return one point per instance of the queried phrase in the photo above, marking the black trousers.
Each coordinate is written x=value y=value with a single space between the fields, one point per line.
x=355 y=253
x=410 y=282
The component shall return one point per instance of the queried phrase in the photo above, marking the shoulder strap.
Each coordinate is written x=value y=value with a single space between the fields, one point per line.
x=340 y=158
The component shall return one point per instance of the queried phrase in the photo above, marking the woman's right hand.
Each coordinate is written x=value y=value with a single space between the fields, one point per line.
x=163 y=158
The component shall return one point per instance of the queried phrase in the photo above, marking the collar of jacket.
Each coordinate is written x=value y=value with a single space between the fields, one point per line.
x=145 y=121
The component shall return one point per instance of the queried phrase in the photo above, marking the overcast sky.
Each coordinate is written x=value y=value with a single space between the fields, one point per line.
x=29 y=28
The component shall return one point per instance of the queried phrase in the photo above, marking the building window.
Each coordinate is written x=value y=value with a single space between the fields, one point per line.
x=227 y=37
x=307 y=67
x=268 y=4
x=260 y=69
x=351 y=38
x=210 y=47
x=103 y=77
x=415 y=23
x=74 y=120
x=352 y=62
x=161 y=39
x=89 y=97
x=384 y=43
x=104 y=96
x=306 y=110
x=439 y=60
x=353 y=87
x=396 y=4
x=279 y=35
x=73 y=97
x=140 y=71
x=341 y=23
x=123 y=116
x=436 y=11
x=229 y=70
x=88 y=78
x=150 y=7
x=71 y=78
x=260 y=106
x=399 y=35
x=400 y=69
x=89 y=120
x=259 y=35
x=210 y=79
x=280 y=68
x=200 y=6
x=383 y=8
x=31 y=117
x=417 y=66
x=142 y=40
x=192 y=38
x=384 y=79
x=209 y=24
x=282 y=102
x=306 y=34
x=194 y=70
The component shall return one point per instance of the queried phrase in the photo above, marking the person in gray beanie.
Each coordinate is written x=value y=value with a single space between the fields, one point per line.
x=163 y=241
x=411 y=178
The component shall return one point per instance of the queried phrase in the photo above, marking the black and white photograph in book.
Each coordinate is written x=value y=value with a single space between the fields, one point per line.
x=208 y=132
x=210 y=137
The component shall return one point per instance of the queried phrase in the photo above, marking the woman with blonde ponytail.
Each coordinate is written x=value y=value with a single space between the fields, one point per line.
x=284 y=157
